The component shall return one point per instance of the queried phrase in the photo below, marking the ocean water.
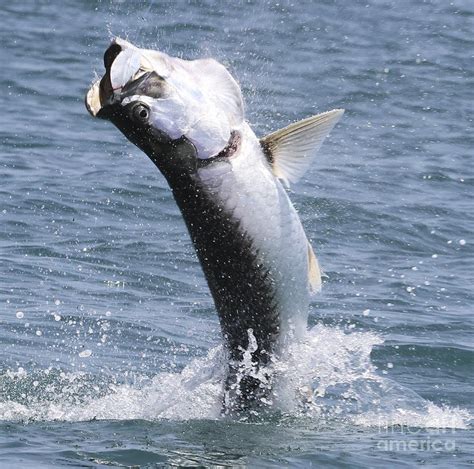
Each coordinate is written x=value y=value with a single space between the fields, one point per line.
x=110 y=351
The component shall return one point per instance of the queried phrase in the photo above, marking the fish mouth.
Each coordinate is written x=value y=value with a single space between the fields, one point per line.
x=124 y=77
x=101 y=93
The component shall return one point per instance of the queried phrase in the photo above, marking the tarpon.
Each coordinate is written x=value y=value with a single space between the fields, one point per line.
x=188 y=117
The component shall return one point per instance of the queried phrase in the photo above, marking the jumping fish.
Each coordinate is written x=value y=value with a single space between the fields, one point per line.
x=188 y=117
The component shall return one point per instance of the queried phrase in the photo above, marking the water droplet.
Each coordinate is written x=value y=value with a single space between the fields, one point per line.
x=20 y=314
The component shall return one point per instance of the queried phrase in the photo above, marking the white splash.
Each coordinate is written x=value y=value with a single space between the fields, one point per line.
x=328 y=376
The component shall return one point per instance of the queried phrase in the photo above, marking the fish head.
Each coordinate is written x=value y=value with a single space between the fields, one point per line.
x=159 y=101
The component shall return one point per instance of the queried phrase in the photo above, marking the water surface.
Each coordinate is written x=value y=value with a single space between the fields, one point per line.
x=110 y=349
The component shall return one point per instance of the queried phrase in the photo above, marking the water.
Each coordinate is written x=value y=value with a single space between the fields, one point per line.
x=110 y=350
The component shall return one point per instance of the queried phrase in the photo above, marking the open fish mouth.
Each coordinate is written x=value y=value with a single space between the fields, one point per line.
x=128 y=72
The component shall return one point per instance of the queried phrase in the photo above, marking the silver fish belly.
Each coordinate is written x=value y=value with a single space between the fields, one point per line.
x=259 y=280
x=256 y=200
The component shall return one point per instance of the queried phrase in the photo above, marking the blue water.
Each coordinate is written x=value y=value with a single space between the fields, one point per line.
x=110 y=354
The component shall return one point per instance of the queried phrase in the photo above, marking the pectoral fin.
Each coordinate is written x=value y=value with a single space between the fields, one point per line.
x=291 y=150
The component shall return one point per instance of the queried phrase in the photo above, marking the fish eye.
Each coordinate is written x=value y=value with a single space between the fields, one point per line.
x=141 y=113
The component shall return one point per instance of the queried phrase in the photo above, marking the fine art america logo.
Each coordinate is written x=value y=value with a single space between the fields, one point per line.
x=395 y=438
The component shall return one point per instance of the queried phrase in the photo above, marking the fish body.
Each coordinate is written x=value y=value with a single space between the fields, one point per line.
x=187 y=116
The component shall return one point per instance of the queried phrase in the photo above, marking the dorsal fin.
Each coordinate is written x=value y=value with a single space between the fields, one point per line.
x=314 y=273
x=291 y=150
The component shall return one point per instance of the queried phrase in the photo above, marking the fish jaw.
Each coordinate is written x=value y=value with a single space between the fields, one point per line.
x=128 y=73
